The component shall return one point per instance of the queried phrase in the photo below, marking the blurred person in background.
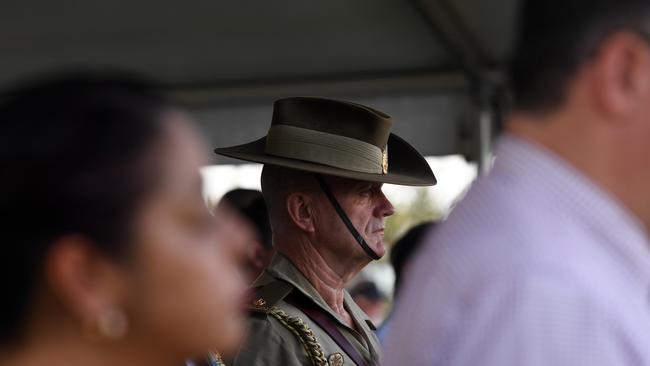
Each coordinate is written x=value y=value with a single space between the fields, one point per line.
x=249 y=206
x=370 y=299
x=245 y=212
x=110 y=256
x=547 y=259
x=401 y=256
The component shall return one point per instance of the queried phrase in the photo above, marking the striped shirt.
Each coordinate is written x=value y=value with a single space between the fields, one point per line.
x=536 y=266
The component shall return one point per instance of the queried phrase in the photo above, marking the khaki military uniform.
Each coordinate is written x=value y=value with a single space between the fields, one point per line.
x=281 y=334
x=327 y=138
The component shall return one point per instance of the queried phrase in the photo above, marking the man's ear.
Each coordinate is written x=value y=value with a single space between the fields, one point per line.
x=300 y=210
x=621 y=74
x=87 y=282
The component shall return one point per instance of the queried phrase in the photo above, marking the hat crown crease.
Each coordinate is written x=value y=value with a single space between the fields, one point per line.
x=324 y=148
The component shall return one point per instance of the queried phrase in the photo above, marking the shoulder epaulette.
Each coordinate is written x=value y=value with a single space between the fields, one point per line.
x=264 y=301
x=267 y=296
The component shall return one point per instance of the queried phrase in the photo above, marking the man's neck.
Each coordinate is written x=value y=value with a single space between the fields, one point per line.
x=599 y=151
x=329 y=283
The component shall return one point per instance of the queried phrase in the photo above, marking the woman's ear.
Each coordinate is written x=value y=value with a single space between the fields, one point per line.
x=88 y=283
x=300 y=210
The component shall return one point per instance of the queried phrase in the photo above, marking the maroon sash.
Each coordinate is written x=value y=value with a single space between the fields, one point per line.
x=327 y=322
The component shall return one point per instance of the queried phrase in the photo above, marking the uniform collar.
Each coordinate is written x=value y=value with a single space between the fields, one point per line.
x=282 y=268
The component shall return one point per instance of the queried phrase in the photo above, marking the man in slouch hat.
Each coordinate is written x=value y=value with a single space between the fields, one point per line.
x=324 y=165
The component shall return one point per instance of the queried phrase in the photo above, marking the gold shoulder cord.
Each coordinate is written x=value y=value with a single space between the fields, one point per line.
x=304 y=334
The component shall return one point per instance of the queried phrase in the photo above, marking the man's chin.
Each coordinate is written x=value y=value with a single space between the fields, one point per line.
x=379 y=248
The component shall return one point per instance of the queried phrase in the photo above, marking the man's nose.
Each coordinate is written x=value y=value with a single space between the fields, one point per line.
x=384 y=207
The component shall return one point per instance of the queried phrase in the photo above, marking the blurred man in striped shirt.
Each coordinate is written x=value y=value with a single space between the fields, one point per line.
x=547 y=260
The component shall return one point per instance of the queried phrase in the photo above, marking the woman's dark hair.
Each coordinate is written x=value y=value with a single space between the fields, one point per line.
x=75 y=157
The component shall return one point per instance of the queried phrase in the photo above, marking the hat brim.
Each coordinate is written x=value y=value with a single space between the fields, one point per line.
x=405 y=165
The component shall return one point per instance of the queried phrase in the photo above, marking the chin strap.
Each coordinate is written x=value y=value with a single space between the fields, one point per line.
x=346 y=220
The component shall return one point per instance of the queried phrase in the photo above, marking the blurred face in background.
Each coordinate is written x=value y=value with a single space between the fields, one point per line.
x=255 y=258
x=374 y=308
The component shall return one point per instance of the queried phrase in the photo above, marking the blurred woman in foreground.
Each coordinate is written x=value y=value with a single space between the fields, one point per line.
x=109 y=254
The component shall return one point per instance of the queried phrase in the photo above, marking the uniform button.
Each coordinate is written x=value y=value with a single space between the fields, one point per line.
x=335 y=359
